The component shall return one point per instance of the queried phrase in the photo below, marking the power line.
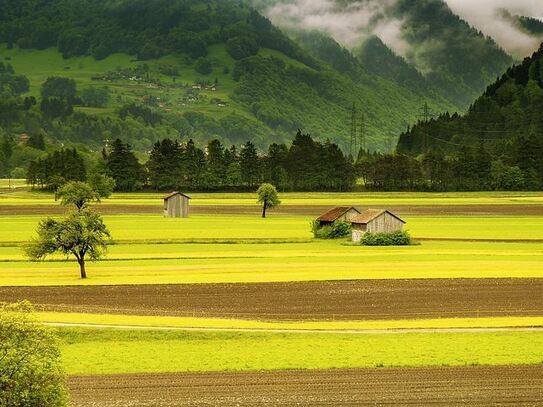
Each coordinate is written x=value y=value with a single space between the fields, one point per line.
x=426 y=115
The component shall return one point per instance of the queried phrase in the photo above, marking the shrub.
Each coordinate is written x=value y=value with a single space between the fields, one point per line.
x=398 y=238
x=337 y=230
x=31 y=373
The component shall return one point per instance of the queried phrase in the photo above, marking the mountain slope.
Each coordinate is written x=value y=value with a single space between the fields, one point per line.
x=454 y=59
x=190 y=68
x=506 y=119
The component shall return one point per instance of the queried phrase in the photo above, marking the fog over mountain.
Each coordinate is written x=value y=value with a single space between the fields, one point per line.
x=351 y=22
x=488 y=16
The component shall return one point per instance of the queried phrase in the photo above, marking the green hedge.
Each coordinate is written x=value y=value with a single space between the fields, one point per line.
x=337 y=230
x=386 y=239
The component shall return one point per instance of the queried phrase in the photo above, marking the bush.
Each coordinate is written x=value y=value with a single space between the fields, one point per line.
x=337 y=230
x=31 y=373
x=386 y=239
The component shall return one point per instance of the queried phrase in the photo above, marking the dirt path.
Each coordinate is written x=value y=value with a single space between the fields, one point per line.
x=306 y=210
x=336 y=300
x=299 y=331
x=466 y=386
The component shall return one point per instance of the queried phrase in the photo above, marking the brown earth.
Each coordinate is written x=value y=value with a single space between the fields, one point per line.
x=327 y=300
x=466 y=386
x=306 y=210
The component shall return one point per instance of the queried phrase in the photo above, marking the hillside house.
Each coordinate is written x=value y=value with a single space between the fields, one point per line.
x=176 y=205
x=375 y=221
x=339 y=214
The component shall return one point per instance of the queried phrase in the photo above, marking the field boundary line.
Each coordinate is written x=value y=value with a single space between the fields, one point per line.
x=395 y=331
x=467 y=240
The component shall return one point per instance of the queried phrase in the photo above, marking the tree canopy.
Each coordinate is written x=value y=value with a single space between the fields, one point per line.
x=31 y=373
x=268 y=197
x=82 y=234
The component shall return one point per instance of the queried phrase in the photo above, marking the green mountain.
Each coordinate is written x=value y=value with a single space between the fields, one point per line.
x=505 y=123
x=439 y=51
x=456 y=58
x=197 y=69
x=380 y=60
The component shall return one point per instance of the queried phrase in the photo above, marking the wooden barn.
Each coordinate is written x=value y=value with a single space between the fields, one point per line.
x=375 y=221
x=176 y=205
x=339 y=214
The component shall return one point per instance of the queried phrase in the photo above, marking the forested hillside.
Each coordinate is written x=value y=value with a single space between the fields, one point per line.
x=434 y=48
x=504 y=125
x=88 y=71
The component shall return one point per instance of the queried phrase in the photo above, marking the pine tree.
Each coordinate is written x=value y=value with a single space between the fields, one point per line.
x=123 y=166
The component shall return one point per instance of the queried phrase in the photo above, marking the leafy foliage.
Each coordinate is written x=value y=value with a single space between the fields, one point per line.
x=31 y=372
x=268 y=197
x=337 y=230
x=82 y=234
x=398 y=238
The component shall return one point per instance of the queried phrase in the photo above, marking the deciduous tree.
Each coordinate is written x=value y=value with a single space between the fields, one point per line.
x=268 y=197
x=82 y=234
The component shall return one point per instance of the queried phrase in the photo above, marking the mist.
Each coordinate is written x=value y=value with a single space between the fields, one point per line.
x=487 y=16
x=351 y=24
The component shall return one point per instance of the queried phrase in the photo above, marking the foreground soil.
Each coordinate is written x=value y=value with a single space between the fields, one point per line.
x=468 y=386
x=306 y=210
x=337 y=300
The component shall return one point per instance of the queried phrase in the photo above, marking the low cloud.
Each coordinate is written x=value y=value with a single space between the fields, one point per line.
x=350 y=23
x=487 y=16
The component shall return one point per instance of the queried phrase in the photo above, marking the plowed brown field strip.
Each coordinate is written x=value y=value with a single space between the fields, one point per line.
x=309 y=210
x=339 y=300
x=468 y=386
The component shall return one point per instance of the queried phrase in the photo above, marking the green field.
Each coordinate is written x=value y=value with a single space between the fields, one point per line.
x=155 y=228
x=149 y=249
x=12 y=183
x=241 y=324
x=222 y=263
x=108 y=351
x=306 y=198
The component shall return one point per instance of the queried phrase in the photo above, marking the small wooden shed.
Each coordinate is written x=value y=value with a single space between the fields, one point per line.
x=176 y=205
x=375 y=221
x=339 y=214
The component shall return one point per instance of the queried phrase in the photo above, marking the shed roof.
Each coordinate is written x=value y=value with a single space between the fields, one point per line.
x=174 y=194
x=336 y=213
x=370 y=214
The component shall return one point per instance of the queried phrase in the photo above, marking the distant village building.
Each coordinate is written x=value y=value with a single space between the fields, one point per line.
x=375 y=221
x=339 y=214
x=176 y=205
x=23 y=138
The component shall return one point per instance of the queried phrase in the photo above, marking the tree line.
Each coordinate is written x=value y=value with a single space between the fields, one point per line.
x=305 y=165
x=473 y=167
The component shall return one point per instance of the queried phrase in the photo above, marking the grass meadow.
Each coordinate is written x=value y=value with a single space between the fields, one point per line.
x=304 y=199
x=148 y=249
x=222 y=263
x=92 y=351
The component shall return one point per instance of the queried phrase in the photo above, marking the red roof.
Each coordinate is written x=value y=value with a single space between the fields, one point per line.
x=370 y=214
x=174 y=194
x=336 y=213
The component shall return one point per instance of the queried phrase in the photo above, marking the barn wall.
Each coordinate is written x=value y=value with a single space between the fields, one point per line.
x=176 y=207
x=349 y=216
x=358 y=231
x=385 y=223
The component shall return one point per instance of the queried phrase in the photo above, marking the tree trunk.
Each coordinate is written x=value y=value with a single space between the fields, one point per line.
x=264 y=207
x=82 y=268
